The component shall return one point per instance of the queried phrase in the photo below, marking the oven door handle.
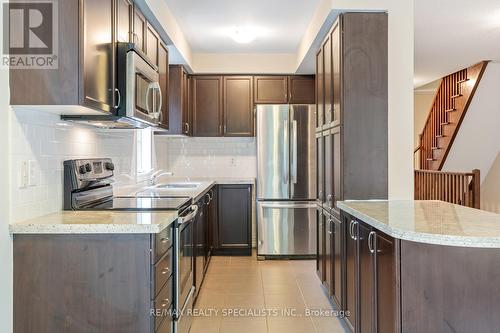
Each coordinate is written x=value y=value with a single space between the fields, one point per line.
x=189 y=217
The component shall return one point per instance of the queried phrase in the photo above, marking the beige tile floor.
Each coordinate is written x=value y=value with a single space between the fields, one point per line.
x=261 y=287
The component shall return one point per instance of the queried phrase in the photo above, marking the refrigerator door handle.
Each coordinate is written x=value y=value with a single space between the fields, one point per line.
x=294 y=152
x=285 y=153
x=294 y=205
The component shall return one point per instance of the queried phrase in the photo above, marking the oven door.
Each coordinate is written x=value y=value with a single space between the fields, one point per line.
x=143 y=93
x=184 y=273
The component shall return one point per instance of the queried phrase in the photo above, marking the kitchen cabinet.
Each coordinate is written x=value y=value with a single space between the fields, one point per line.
x=350 y=273
x=163 y=72
x=301 y=89
x=328 y=253
x=320 y=89
x=238 y=106
x=320 y=258
x=178 y=101
x=327 y=78
x=337 y=261
x=152 y=44
x=320 y=168
x=335 y=75
x=124 y=276
x=213 y=217
x=140 y=30
x=200 y=231
x=365 y=279
x=207 y=106
x=234 y=223
x=385 y=283
x=124 y=23
x=328 y=175
x=280 y=89
x=271 y=89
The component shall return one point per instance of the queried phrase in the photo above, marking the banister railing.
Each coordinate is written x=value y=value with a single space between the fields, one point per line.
x=455 y=187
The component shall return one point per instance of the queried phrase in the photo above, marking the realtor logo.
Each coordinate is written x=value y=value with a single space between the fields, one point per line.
x=30 y=34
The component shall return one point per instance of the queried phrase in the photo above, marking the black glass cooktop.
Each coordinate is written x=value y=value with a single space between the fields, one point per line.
x=143 y=203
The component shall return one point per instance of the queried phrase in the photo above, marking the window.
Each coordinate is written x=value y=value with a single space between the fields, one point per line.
x=144 y=142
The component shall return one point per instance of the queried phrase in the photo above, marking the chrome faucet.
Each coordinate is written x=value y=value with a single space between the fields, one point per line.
x=157 y=174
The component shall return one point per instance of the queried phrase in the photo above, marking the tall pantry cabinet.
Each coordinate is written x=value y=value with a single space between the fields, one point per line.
x=351 y=139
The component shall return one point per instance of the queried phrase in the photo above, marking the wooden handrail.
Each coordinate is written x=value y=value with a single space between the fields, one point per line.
x=455 y=187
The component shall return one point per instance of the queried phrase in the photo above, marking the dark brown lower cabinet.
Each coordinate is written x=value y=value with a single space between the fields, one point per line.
x=365 y=279
x=234 y=223
x=350 y=274
x=385 y=282
x=337 y=257
x=328 y=253
x=320 y=258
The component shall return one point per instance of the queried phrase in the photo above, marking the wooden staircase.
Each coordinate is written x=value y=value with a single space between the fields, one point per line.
x=450 y=104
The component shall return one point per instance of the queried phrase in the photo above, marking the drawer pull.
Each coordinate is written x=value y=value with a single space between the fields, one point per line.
x=165 y=270
x=164 y=240
x=165 y=303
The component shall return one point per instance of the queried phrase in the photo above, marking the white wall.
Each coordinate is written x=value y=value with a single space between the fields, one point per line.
x=477 y=143
x=207 y=157
x=282 y=63
x=5 y=239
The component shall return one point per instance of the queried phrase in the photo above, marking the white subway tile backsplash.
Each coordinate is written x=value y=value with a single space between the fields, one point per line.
x=42 y=137
x=207 y=157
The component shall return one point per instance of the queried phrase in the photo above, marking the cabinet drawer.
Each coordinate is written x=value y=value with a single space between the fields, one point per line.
x=163 y=271
x=162 y=242
x=162 y=303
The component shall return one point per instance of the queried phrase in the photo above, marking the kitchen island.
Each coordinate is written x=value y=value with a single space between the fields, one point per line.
x=420 y=266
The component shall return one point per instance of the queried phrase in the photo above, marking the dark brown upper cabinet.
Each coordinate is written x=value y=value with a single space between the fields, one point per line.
x=152 y=44
x=238 y=106
x=206 y=105
x=124 y=28
x=327 y=54
x=86 y=72
x=271 y=89
x=320 y=89
x=140 y=30
x=301 y=89
x=178 y=101
x=163 y=71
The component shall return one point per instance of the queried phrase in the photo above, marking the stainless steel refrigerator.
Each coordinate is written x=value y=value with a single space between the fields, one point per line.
x=286 y=180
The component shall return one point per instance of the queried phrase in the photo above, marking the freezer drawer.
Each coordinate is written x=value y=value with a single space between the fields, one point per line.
x=286 y=228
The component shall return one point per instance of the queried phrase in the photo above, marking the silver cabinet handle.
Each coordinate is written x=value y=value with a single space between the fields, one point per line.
x=352 y=225
x=371 y=246
x=187 y=128
x=190 y=216
x=164 y=240
x=119 y=98
x=330 y=225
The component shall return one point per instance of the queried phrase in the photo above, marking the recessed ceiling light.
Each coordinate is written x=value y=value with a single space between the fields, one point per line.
x=243 y=35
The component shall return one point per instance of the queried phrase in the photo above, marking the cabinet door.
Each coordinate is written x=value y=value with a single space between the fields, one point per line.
x=327 y=54
x=177 y=99
x=351 y=268
x=235 y=219
x=320 y=89
x=301 y=89
x=207 y=106
x=271 y=89
x=124 y=29
x=336 y=79
x=198 y=248
x=336 y=172
x=163 y=77
x=238 y=106
x=152 y=44
x=98 y=55
x=213 y=220
x=320 y=167
x=320 y=257
x=385 y=280
x=328 y=198
x=328 y=253
x=187 y=105
x=365 y=279
x=337 y=258
x=139 y=29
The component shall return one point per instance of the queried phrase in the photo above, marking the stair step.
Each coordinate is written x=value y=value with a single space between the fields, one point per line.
x=450 y=110
x=463 y=81
x=456 y=96
x=440 y=136
x=445 y=123
x=431 y=159
x=435 y=148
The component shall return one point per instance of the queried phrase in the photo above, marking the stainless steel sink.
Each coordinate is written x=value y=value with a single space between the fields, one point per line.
x=173 y=186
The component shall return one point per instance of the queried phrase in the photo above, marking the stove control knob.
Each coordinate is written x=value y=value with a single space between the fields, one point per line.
x=82 y=170
x=88 y=167
x=109 y=166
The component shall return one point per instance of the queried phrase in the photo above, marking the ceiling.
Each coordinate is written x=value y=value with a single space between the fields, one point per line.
x=453 y=34
x=281 y=23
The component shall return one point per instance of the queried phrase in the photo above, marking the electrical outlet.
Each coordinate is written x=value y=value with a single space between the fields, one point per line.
x=23 y=174
x=32 y=173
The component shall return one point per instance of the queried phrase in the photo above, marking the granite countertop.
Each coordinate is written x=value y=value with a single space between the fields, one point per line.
x=96 y=222
x=432 y=222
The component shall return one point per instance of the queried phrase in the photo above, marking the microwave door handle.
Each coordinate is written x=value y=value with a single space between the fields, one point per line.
x=161 y=101
x=147 y=98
